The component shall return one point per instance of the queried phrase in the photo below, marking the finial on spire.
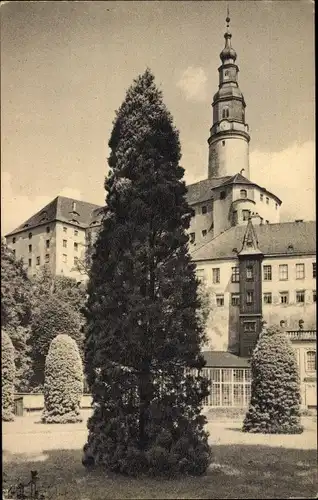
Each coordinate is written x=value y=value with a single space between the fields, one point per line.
x=228 y=17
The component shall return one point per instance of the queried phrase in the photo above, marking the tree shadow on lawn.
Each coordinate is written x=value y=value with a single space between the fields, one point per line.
x=237 y=471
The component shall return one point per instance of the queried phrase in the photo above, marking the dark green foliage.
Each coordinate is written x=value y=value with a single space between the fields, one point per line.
x=275 y=398
x=15 y=290
x=144 y=331
x=8 y=376
x=63 y=385
x=16 y=307
x=51 y=317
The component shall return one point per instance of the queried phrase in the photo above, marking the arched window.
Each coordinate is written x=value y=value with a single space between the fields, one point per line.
x=243 y=193
x=311 y=361
x=225 y=113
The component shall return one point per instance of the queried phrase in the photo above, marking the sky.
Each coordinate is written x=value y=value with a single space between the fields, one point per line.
x=66 y=66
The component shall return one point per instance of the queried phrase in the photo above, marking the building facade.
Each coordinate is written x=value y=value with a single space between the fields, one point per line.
x=255 y=268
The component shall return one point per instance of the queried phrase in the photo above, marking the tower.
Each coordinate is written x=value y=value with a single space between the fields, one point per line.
x=229 y=137
x=250 y=269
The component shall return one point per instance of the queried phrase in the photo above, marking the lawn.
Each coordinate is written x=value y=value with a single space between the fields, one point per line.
x=244 y=466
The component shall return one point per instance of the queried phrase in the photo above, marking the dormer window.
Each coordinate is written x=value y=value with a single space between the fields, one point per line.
x=243 y=193
x=222 y=195
x=204 y=209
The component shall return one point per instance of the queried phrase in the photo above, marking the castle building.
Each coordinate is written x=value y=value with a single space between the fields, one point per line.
x=255 y=269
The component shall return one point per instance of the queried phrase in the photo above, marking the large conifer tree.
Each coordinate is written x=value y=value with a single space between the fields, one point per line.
x=143 y=332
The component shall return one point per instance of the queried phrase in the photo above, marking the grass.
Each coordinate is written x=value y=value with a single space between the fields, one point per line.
x=244 y=466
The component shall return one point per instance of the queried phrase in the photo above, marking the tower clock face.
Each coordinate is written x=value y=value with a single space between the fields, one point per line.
x=224 y=125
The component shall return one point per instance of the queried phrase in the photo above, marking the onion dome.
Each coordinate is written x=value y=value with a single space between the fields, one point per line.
x=228 y=53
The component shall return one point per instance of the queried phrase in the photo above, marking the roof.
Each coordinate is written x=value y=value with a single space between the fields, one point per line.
x=201 y=191
x=62 y=209
x=222 y=359
x=286 y=238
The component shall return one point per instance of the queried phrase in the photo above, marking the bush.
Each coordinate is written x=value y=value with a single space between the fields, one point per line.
x=275 y=392
x=63 y=386
x=8 y=377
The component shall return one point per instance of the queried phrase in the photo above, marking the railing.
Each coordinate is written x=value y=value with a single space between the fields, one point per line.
x=302 y=334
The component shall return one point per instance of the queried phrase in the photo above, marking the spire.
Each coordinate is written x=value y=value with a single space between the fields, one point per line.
x=250 y=243
x=228 y=54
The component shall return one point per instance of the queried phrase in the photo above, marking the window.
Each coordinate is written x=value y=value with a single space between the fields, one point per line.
x=64 y=229
x=30 y=262
x=267 y=200
x=38 y=261
x=64 y=257
x=30 y=248
x=284 y=297
x=261 y=197
x=30 y=236
x=47 y=243
x=267 y=297
x=249 y=326
x=216 y=275
x=246 y=214
x=276 y=206
x=192 y=237
x=235 y=299
x=47 y=258
x=222 y=195
x=234 y=218
x=300 y=271
x=223 y=143
x=201 y=275
x=48 y=229
x=204 y=232
x=243 y=193
x=13 y=251
x=311 y=361
x=235 y=275
x=226 y=73
x=249 y=273
x=220 y=300
x=204 y=209
x=300 y=296
x=314 y=269
x=75 y=247
x=75 y=261
x=64 y=243
x=314 y=296
x=225 y=113
x=249 y=297
x=267 y=273
x=283 y=272
x=13 y=240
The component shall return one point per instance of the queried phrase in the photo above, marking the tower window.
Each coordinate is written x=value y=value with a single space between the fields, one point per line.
x=13 y=240
x=38 y=261
x=47 y=258
x=243 y=193
x=249 y=273
x=48 y=229
x=225 y=112
x=30 y=236
x=226 y=73
x=64 y=243
x=30 y=248
x=204 y=231
x=249 y=298
x=75 y=247
x=47 y=243
x=250 y=326
x=246 y=214
x=30 y=262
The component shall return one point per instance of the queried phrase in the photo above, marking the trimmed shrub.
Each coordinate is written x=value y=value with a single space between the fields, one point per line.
x=275 y=392
x=8 y=377
x=63 y=385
